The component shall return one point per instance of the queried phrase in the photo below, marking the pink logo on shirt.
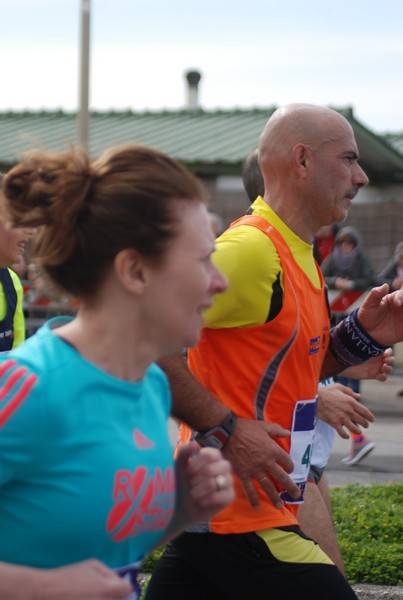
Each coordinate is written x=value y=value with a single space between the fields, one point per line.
x=141 y=441
x=142 y=502
x=15 y=389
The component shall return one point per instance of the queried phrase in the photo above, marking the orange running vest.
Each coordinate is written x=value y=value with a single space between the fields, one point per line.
x=269 y=372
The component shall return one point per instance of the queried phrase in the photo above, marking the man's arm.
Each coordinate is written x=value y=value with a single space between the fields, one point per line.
x=191 y=403
x=255 y=457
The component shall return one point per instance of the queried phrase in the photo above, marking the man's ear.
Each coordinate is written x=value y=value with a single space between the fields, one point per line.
x=130 y=269
x=301 y=159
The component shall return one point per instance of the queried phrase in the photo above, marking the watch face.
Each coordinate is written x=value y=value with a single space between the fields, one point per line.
x=218 y=436
x=214 y=438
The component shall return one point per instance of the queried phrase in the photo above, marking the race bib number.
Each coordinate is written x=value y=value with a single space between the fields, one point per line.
x=302 y=432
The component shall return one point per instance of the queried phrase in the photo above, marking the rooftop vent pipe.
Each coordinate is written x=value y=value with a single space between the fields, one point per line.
x=193 y=78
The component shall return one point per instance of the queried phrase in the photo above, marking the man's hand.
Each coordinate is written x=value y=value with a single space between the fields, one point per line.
x=378 y=367
x=338 y=405
x=381 y=315
x=397 y=283
x=257 y=459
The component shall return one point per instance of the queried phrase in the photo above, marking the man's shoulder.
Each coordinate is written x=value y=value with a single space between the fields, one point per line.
x=250 y=262
x=242 y=238
x=246 y=250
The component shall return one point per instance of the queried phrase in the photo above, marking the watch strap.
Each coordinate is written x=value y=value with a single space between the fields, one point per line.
x=218 y=436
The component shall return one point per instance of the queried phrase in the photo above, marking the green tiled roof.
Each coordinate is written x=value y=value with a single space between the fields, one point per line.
x=210 y=142
x=191 y=136
x=395 y=140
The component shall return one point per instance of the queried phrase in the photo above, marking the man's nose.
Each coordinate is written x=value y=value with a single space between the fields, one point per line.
x=361 y=179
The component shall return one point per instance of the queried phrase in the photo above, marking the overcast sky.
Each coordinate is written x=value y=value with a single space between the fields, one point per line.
x=250 y=53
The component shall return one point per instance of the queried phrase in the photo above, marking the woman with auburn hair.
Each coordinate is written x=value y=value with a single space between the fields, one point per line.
x=86 y=466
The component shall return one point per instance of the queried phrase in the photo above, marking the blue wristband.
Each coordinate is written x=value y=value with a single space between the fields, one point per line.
x=351 y=344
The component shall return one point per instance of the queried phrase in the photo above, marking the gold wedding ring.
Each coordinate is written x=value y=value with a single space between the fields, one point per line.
x=221 y=482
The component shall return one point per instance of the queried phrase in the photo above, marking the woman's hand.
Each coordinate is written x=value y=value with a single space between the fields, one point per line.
x=204 y=482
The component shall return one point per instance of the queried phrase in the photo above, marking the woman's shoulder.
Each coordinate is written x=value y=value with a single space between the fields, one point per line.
x=39 y=353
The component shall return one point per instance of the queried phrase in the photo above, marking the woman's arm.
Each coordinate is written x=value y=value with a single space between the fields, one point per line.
x=87 y=580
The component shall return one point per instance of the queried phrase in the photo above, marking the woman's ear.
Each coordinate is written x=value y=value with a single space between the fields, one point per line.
x=131 y=270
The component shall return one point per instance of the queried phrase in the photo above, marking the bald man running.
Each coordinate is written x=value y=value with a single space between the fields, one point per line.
x=264 y=347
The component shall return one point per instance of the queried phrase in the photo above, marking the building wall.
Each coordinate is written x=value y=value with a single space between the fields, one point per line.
x=229 y=204
x=376 y=194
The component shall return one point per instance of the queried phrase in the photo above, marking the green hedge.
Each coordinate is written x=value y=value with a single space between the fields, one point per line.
x=369 y=528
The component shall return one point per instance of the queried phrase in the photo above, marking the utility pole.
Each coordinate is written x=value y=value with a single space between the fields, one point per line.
x=83 y=111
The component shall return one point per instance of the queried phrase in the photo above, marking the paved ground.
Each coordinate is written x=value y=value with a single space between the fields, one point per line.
x=373 y=592
x=385 y=463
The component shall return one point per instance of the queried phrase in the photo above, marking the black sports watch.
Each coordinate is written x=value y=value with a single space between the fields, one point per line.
x=218 y=436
